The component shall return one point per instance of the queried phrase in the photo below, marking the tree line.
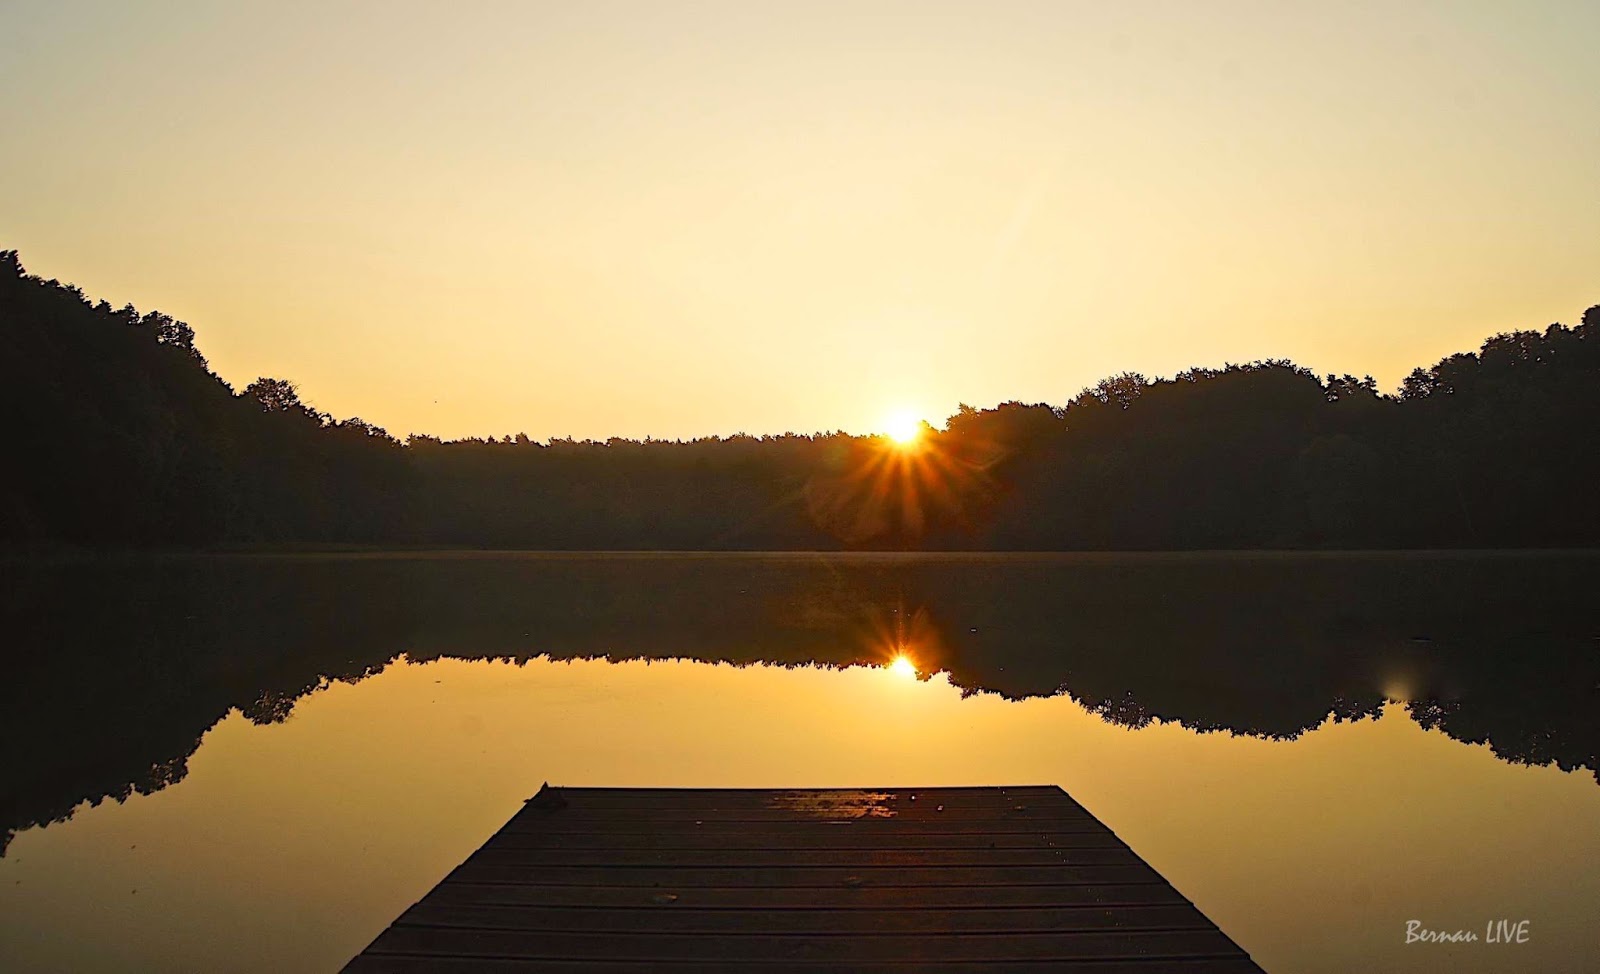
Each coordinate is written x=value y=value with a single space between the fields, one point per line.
x=125 y=438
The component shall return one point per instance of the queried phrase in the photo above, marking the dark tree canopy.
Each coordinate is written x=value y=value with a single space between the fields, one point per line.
x=125 y=438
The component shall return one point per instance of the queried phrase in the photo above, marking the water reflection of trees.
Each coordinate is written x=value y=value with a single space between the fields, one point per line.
x=116 y=668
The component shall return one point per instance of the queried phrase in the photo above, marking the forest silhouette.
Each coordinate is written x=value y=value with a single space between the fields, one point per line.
x=125 y=438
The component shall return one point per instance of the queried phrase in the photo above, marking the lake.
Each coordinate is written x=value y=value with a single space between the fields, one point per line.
x=255 y=762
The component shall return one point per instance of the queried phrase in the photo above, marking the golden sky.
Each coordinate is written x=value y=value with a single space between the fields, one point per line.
x=680 y=219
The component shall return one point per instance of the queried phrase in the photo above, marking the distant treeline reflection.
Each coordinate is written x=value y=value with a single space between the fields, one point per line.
x=116 y=667
x=123 y=437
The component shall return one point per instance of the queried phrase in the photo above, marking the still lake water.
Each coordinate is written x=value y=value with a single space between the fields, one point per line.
x=255 y=763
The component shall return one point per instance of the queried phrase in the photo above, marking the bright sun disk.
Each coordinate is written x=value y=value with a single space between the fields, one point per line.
x=902 y=666
x=903 y=428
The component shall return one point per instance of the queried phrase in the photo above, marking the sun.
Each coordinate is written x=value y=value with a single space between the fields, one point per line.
x=902 y=666
x=903 y=428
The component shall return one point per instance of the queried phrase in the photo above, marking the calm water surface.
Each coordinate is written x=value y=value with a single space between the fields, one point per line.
x=1313 y=749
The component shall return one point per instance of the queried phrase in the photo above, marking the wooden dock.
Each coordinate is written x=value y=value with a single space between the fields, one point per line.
x=899 y=879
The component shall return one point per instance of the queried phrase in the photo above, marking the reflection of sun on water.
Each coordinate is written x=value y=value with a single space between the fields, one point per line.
x=902 y=666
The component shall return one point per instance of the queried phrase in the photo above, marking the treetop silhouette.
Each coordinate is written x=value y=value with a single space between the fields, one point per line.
x=126 y=438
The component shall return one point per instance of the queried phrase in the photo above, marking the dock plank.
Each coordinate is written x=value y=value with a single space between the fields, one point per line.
x=406 y=964
x=779 y=837
x=896 y=798
x=897 y=879
x=689 y=877
x=791 y=898
x=841 y=948
x=809 y=921
x=866 y=857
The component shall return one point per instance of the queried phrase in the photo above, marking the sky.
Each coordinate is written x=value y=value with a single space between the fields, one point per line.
x=678 y=219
